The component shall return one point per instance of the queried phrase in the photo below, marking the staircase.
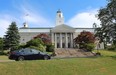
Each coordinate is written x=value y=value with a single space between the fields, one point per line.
x=70 y=52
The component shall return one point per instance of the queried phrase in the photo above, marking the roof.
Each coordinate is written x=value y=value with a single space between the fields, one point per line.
x=36 y=28
x=63 y=28
x=59 y=11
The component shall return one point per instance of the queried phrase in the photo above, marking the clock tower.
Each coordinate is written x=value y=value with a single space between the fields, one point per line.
x=59 y=18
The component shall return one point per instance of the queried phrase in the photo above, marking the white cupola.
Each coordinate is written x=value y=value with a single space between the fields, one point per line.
x=25 y=24
x=59 y=18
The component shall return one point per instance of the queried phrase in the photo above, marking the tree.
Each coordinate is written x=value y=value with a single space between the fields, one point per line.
x=107 y=16
x=1 y=43
x=36 y=44
x=85 y=40
x=47 y=41
x=44 y=37
x=12 y=37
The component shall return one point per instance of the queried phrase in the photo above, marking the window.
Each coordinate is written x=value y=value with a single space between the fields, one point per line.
x=23 y=39
x=34 y=51
x=59 y=15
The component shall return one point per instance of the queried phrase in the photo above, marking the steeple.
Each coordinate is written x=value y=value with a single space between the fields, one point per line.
x=25 y=24
x=59 y=18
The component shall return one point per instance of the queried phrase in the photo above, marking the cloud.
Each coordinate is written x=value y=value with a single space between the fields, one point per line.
x=84 y=19
x=35 y=18
x=5 y=21
x=3 y=26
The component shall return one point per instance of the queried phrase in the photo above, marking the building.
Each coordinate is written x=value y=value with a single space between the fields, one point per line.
x=61 y=35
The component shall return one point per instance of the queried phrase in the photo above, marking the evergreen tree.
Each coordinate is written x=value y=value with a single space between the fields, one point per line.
x=1 y=44
x=12 y=37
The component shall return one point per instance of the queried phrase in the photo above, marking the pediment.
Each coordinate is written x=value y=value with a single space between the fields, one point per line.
x=63 y=28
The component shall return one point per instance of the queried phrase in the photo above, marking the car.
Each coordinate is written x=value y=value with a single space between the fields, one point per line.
x=28 y=54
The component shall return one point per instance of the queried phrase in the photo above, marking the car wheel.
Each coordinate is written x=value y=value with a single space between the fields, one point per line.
x=46 y=57
x=20 y=58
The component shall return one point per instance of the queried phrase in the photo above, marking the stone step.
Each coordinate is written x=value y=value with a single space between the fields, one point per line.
x=70 y=52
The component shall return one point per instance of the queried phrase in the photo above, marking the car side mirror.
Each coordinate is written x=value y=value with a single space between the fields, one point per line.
x=38 y=52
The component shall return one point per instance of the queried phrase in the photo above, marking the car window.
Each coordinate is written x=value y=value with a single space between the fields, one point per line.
x=29 y=51
x=34 y=51
x=22 y=50
x=26 y=51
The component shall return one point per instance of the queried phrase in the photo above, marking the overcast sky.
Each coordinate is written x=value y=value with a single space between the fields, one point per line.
x=42 y=13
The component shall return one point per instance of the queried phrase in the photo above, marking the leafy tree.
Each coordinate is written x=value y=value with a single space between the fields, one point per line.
x=47 y=41
x=12 y=37
x=85 y=40
x=99 y=33
x=36 y=44
x=44 y=37
x=107 y=16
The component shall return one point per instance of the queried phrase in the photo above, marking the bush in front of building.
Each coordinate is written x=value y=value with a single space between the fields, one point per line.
x=111 y=48
x=47 y=41
x=50 y=48
x=90 y=46
x=85 y=40
x=41 y=48
x=22 y=46
x=36 y=44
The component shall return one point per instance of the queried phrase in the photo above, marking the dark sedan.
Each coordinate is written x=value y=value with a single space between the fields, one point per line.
x=28 y=54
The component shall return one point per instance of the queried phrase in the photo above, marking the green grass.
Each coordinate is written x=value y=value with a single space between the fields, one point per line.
x=104 y=65
x=3 y=57
x=106 y=53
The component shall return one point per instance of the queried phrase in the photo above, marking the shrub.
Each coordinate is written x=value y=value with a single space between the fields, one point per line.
x=90 y=46
x=22 y=46
x=41 y=48
x=50 y=48
x=14 y=48
x=36 y=44
x=112 y=48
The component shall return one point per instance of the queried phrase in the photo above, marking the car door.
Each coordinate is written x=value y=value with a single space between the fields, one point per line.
x=28 y=54
x=36 y=54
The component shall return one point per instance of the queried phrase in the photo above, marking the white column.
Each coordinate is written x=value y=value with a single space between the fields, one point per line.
x=66 y=43
x=55 y=40
x=60 y=40
x=52 y=38
x=71 y=39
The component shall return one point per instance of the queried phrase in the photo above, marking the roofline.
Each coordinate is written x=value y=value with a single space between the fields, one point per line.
x=36 y=28
x=50 y=28
x=84 y=28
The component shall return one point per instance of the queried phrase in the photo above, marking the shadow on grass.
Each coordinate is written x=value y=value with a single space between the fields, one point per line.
x=3 y=53
x=114 y=57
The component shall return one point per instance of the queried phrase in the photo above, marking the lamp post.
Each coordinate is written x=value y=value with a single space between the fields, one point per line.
x=97 y=43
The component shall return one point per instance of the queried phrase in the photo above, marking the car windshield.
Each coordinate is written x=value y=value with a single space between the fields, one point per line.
x=28 y=50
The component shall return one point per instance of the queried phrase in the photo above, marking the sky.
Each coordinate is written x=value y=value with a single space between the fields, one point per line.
x=42 y=13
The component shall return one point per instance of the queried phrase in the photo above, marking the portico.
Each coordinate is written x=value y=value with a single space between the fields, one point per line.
x=62 y=36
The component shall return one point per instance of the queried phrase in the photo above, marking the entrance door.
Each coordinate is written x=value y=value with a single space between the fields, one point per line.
x=63 y=45
x=58 y=45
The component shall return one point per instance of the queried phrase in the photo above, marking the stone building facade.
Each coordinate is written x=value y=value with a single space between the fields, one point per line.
x=61 y=35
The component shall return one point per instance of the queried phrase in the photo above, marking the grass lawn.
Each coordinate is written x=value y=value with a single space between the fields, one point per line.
x=3 y=57
x=104 y=65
